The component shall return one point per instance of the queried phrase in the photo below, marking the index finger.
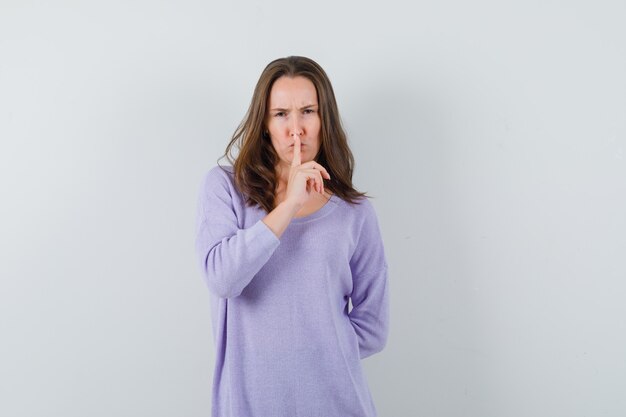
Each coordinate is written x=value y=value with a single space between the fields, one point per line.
x=296 y=161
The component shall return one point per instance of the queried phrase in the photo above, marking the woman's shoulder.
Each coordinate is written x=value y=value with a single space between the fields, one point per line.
x=221 y=170
x=219 y=187
x=361 y=208
x=219 y=175
x=359 y=203
x=218 y=181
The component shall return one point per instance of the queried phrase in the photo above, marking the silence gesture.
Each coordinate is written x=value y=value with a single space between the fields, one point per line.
x=304 y=178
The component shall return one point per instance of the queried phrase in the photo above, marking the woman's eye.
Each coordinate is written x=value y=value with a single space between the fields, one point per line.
x=309 y=110
x=279 y=114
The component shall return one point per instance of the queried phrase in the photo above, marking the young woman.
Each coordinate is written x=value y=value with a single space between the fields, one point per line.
x=284 y=243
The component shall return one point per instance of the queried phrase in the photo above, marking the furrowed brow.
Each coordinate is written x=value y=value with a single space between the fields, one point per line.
x=301 y=108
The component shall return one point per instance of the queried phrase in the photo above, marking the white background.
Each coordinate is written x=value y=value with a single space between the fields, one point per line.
x=491 y=134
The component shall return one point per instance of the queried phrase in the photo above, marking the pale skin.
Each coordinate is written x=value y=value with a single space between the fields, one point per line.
x=294 y=125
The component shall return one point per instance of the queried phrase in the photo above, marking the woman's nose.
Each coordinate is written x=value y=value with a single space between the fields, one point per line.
x=296 y=127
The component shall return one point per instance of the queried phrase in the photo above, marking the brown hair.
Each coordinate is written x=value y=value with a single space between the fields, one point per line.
x=254 y=167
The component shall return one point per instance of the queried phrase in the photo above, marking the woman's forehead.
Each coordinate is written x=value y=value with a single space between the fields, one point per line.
x=289 y=91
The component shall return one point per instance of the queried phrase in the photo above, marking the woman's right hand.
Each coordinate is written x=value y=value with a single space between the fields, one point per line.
x=305 y=178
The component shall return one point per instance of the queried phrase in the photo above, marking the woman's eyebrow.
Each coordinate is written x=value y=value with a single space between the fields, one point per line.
x=301 y=108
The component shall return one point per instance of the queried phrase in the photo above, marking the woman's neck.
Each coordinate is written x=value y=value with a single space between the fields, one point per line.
x=282 y=177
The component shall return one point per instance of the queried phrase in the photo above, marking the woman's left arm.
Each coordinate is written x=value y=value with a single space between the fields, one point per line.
x=370 y=288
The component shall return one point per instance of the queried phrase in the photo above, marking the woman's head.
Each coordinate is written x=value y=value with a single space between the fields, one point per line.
x=263 y=137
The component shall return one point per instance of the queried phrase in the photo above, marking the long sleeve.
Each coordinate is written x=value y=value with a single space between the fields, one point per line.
x=229 y=256
x=370 y=292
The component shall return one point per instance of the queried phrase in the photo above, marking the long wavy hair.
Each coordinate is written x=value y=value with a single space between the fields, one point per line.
x=254 y=166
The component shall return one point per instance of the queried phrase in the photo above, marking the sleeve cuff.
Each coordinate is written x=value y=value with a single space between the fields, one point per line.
x=263 y=235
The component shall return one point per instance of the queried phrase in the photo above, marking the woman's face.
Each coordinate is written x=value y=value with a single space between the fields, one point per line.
x=293 y=109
